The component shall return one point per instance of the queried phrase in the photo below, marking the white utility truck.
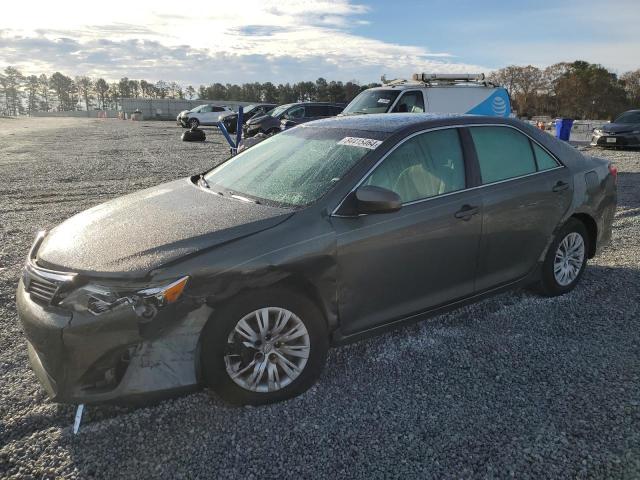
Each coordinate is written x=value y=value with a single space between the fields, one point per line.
x=434 y=93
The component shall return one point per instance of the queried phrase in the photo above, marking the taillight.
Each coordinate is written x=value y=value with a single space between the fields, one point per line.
x=613 y=171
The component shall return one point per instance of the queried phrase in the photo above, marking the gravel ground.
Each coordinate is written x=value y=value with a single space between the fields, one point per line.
x=515 y=386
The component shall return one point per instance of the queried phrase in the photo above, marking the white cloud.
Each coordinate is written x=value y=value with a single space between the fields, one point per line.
x=261 y=36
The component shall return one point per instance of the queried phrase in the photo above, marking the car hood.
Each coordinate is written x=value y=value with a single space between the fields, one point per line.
x=620 y=127
x=134 y=234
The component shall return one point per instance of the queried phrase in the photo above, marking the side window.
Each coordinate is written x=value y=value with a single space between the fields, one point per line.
x=296 y=112
x=317 y=111
x=545 y=161
x=206 y=109
x=502 y=153
x=412 y=102
x=217 y=109
x=424 y=166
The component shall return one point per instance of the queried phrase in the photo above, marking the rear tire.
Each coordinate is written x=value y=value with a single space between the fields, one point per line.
x=226 y=351
x=566 y=260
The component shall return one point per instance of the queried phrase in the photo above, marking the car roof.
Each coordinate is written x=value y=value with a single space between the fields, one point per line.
x=395 y=122
x=381 y=122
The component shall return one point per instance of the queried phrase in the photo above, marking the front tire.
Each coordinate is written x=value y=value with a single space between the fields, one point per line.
x=566 y=260
x=194 y=123
x=264 y=347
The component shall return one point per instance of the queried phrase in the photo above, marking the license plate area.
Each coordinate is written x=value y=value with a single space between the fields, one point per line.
x=611 y=140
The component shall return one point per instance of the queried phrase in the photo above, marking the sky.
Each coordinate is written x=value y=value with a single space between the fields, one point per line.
x=293 y=40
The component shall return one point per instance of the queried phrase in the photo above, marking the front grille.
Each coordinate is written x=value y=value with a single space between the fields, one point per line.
x=42 y=290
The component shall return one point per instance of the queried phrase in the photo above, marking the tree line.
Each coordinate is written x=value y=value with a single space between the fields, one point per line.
x=578 y=90
x=20 y=94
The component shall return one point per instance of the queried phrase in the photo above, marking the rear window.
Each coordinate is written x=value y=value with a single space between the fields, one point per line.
x=545 y=161
x=503 y=153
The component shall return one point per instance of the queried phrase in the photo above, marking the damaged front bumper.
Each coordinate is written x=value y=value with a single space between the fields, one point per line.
x=118 y=355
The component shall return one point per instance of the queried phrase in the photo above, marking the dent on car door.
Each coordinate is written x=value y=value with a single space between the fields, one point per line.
x=392 y=265
x=525 y=194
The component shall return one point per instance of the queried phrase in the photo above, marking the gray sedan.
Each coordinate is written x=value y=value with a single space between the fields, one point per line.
x=240 y=278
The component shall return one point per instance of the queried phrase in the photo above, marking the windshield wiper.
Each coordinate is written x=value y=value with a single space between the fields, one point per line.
x=202 y=182
x=245 y=199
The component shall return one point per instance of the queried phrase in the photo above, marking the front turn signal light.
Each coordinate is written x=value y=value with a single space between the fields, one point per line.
x=173 y=292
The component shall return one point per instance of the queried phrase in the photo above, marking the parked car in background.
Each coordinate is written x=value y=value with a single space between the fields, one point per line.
x=248 y=112
x=179 y=117
x=314 y=112
x=624 y=131
x=240 y=278
x=294 y=112
x=205 y=115
x=435 y=93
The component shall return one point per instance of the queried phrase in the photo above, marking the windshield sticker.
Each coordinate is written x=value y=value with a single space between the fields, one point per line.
x=369 y=143
x=384 y=100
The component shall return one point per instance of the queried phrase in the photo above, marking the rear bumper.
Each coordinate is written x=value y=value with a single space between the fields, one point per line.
x=81 y=358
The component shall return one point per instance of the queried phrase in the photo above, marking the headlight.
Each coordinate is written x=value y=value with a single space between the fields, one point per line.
x=144 y=299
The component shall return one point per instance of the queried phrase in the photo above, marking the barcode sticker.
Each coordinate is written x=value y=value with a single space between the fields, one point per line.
x=369 y=143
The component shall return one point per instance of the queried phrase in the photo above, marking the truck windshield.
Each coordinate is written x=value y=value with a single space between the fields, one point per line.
x=372 y=101
x=293 y=168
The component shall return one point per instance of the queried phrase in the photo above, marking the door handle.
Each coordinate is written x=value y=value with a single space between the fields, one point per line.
x=466 y=212
x=560 y=186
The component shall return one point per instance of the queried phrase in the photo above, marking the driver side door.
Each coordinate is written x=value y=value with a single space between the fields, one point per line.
x=394 y=265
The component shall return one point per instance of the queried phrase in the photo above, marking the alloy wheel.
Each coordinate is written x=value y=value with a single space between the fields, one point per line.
x=267 y=350
x=569 y=259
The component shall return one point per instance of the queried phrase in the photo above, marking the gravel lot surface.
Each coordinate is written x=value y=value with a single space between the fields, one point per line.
x=516 y=386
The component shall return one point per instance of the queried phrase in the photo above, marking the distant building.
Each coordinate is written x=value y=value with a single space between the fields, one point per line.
x=167 y=108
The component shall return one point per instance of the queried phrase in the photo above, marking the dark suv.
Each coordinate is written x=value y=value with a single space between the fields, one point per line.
x=291 y=114
x=250 y=111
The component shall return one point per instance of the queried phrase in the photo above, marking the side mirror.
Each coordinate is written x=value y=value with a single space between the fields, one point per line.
x=371 y=199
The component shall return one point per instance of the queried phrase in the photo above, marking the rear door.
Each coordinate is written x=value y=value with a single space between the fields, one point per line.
x=525 y=194
x=211 y=115
x=392 y=265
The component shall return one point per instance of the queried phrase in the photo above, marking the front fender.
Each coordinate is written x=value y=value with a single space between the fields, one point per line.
x=306 y=263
